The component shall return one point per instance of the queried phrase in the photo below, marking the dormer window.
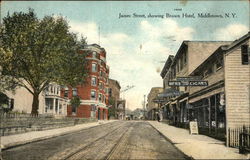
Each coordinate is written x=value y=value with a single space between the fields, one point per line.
x=94 y=54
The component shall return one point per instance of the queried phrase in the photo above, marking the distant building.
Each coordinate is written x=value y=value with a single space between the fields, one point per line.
x=121 y=106
x=152 y=106
x=114 y=97
x=93 y=94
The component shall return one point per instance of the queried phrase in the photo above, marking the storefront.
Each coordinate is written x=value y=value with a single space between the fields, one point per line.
x=209 y=112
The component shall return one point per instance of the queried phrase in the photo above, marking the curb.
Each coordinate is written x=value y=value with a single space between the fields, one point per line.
x=186 y=156
x=17 y=144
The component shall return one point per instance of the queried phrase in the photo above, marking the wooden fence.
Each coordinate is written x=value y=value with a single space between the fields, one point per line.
x=239 y=138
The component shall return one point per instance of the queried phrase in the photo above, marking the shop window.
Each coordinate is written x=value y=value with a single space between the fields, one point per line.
x=244 y=55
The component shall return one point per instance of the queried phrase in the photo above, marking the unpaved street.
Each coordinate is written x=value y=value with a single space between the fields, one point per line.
x=117 y=140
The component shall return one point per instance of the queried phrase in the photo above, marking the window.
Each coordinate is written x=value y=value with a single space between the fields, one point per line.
x=100 y=85
x=208 y=72
x=219 y=64
x=74 y=90
x=183 y=61
x=94 y=67
x=177 y=66
x=244 y=54
x=110 y=92
x=93 y=94
x=66 y=93
x=185 y=58
x=94 y=54
x=93 y=81
x=100 y=97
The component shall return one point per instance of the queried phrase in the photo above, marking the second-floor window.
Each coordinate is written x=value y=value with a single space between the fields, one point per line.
x=208 y=72
x=219 y=64
x=244 y=54
x=66 y=93
x=94 y=67
x=74 y=92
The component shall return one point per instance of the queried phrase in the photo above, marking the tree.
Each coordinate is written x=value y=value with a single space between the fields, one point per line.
x=36 y=52
x=112 y=109
x=75 y=102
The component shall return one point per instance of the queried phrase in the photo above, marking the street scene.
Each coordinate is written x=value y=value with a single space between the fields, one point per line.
x=117 y=140
x=124 y=80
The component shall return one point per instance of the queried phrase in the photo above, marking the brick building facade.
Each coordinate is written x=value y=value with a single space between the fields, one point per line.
x=94 y=93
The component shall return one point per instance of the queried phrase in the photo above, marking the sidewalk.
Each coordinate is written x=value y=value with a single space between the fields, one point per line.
x=19 y=139
x=197 y=146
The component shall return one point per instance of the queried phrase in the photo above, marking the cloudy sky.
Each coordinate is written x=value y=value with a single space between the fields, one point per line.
x=138 y=47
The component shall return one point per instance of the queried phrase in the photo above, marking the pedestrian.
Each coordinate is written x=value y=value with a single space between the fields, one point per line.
x=158 y=117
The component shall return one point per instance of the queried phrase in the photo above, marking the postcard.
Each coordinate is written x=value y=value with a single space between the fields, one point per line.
x=125 y=79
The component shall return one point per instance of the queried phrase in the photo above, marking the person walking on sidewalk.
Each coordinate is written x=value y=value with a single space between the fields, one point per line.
x=158 y=116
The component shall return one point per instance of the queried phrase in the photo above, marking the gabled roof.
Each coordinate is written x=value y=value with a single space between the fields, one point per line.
x=221 y=50
x=238 y=41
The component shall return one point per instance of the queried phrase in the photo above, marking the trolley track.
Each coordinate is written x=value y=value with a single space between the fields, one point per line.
x=98 y=148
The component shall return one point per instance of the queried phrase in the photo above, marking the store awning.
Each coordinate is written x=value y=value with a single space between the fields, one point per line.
x=216 y=91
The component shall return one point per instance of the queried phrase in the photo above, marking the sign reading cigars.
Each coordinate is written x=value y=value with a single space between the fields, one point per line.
x=193 y=127
x=188 y=81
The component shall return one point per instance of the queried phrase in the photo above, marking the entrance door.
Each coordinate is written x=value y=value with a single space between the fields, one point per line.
x=99 y=114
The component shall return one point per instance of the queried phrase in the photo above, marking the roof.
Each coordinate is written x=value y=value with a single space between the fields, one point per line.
x=221 y=50
x=238 y=41
x=167 y=65
x=116 y=82
x=218 y=51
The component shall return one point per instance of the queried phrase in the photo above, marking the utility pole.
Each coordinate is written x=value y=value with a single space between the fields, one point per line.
x=144 y=103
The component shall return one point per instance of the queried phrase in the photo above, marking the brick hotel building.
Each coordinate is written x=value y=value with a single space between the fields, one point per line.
x=93 y=94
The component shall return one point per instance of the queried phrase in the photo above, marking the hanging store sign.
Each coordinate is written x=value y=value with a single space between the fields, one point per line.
x=158 y=100
x=193 y=78
x=189 y=83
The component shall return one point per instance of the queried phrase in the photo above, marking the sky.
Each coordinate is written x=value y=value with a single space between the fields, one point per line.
x=137 y=47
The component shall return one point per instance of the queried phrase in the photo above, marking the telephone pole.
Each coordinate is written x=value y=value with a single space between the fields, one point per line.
x=144 y=103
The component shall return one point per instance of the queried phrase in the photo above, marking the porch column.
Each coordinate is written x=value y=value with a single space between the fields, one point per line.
x=58 y=105
x=54 y=106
